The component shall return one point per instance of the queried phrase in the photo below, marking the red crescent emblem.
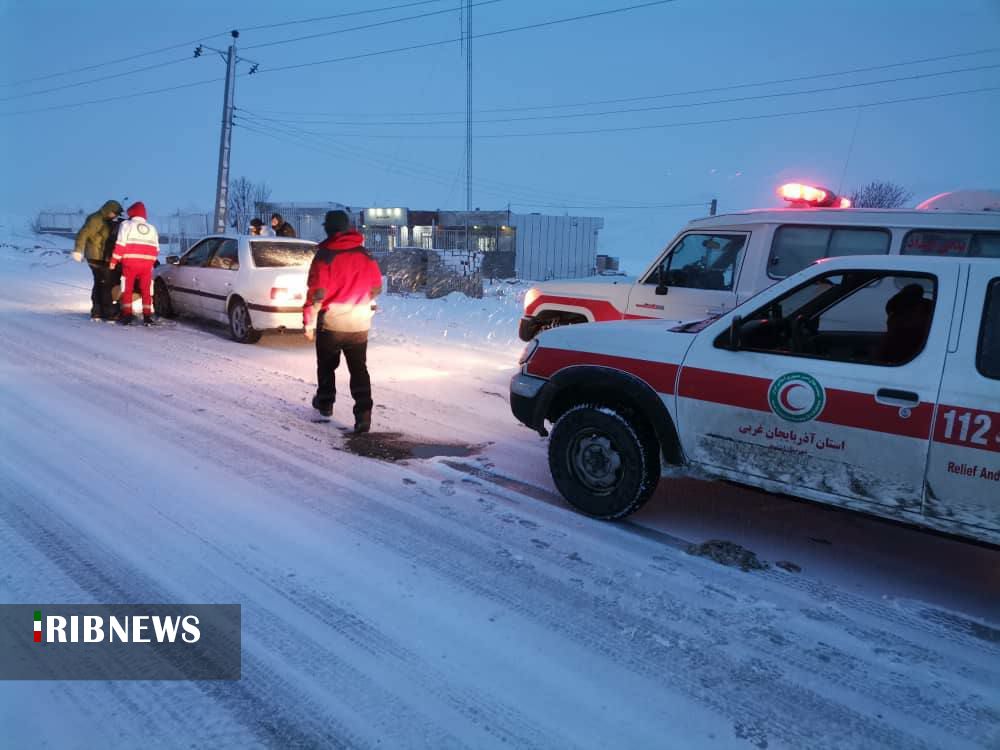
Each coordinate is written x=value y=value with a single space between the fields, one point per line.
x=783 y=396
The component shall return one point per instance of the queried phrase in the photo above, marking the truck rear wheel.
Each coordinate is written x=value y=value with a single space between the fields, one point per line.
x=602 y=461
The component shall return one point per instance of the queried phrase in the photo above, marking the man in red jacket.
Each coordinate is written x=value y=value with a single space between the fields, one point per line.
x=343 y=283
x=136 y=249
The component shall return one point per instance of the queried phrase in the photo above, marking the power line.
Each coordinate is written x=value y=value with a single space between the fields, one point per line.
x=483 y=35
x=116 y=61
x=659 y=126
x=349 y=14
x=689 y=92
x=95 y=80
x=525 y=196
x=130 y=95
x=181 y=45
x=372 y=25
x=632 y=110
x=352 y=57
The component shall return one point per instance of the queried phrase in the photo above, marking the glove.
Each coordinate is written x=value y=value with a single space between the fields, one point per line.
x=77 y=256
x=310 y=334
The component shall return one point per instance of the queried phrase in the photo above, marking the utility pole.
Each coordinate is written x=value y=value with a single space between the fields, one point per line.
x=713 y=207
x=225 y=141
x=468 y=106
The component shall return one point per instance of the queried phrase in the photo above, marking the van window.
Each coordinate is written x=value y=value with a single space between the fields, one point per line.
x=988 y=357
x=795 y=247
x=863 y=317
x=956 y=243
x=701 y=261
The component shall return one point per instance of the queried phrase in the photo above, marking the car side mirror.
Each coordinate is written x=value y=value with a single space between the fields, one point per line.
x=173 y=260
x=735 y=331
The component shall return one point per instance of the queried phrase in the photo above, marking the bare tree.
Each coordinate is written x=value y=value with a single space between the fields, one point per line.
x=243 y=199
x=879 y=194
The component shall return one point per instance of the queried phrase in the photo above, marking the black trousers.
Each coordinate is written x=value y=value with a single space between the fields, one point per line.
x=354 y=346
x=101 y=303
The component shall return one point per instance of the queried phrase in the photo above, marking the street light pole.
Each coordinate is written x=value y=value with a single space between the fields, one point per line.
x=225 y=141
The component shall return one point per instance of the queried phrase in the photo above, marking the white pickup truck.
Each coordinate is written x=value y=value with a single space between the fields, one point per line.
x=719 y=262
x=867 y=382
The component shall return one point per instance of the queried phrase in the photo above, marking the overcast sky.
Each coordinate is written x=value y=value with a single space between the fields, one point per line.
x=334 y=130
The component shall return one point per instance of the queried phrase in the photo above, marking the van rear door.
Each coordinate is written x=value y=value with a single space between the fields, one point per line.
x=963 y=471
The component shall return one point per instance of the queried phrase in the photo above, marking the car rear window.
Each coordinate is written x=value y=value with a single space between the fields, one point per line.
x=795 y=247
x=953 y=243
x=988 y=356
x=274 y=254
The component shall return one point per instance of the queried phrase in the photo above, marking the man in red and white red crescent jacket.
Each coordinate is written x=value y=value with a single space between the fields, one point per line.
x=343 y=283
x=137 y=247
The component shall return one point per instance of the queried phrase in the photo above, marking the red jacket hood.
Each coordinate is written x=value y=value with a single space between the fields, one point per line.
x=343 y=241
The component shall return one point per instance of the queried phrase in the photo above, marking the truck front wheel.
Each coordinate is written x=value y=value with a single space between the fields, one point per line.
x=602 y=461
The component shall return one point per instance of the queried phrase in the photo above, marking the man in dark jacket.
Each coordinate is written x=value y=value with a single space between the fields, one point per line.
x=281 y=227
x=92 y=243
x=343 y=283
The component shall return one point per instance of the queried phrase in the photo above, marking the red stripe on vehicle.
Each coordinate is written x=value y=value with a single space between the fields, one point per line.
x=659 y=375
x=845 y=408
x=599 y=308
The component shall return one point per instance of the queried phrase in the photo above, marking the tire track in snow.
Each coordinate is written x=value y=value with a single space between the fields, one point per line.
x=554 y=595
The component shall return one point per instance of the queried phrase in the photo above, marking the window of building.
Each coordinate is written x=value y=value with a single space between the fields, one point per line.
x=864 y=317
x=988 y=356
x=795 y=247
x=701 y=261
x=954 y=243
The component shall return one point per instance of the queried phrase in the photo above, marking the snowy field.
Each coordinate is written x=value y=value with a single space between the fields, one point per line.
x=424 y=586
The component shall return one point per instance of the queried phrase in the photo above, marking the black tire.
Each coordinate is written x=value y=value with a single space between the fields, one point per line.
x=603 y=462
x=240 y=325
x=162 y=303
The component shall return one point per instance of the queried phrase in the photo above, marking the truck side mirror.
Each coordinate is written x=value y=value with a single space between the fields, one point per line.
x=661 y=284
x=735 y=329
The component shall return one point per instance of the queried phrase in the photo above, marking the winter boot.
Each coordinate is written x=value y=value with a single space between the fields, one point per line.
x=324 y=410
x=363 y=422
x=125 y=320
x=147 y=320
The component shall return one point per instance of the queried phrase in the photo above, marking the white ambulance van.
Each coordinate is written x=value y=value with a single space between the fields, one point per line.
x=719 y=262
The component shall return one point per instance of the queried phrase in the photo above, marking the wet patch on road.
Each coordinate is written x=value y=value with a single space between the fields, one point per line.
x=394 y=446
x=728 y=553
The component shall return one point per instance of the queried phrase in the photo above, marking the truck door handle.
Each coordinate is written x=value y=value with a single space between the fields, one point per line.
x=893 y=397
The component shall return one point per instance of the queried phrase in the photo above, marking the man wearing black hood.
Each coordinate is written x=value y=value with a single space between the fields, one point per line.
x=93 y=242
x=281 y=227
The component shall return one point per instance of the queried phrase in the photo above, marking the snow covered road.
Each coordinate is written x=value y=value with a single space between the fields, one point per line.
x=426 y=602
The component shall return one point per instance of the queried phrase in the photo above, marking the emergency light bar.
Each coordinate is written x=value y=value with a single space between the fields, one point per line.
x=803 y=196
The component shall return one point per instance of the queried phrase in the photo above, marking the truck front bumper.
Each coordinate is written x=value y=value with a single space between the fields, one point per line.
x=527 y=401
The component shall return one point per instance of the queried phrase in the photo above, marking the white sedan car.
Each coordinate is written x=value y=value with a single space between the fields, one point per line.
x=254 y=284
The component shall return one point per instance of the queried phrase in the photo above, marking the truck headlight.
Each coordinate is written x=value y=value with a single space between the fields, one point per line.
x=528 y=352
x=530 y=296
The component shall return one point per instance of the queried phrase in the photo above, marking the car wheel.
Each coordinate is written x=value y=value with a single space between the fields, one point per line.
x=240 y=326
x=603 y=462
x=162 y=303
